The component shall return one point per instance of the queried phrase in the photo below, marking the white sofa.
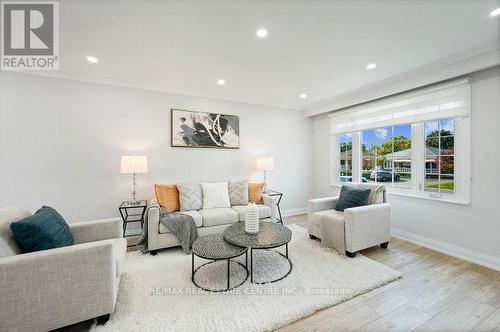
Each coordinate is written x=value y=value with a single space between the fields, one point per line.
x=354 y=229
x=49 y=289
x=208 y=221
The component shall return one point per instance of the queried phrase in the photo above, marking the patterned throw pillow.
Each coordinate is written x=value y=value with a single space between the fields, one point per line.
x=46 y=229
x=168 y=197
x=190 y=196
x=255 y=192
x=238 y=192
x=352 y=197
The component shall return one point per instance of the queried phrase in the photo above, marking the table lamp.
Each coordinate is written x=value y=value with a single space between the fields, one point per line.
x=134 y=165
x=265 y=164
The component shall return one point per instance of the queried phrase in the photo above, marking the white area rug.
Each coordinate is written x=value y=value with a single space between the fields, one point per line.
x=156 y=292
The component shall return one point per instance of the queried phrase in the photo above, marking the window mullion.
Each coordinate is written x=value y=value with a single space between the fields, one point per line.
x=418 y=157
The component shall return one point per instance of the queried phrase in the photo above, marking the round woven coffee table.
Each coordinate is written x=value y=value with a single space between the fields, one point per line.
x=214 y=248
x=270 y=236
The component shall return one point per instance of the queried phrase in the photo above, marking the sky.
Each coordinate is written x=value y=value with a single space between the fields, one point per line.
x=381 y=135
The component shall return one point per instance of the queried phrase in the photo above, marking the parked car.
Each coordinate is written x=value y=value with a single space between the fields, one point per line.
x=384 y=175
x=348 y=178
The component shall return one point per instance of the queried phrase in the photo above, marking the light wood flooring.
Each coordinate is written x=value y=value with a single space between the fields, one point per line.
x=437 y=293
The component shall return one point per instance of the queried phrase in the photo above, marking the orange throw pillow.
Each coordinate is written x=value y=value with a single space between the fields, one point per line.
x=255 y=192
x=168 y=197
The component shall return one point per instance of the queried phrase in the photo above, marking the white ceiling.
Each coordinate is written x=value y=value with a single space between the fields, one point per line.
x=319 y=48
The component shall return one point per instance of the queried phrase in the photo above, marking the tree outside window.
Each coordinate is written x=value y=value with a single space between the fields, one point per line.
x=440 y=156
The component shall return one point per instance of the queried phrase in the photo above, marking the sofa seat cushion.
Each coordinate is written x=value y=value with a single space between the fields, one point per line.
x=218 y=216
x=264 y=211
x=194 y=214
x=333 y=215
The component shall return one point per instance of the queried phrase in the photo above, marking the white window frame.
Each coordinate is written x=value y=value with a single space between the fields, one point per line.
x=462 y=162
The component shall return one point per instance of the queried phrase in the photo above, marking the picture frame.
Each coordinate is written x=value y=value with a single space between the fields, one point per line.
x=195 y=129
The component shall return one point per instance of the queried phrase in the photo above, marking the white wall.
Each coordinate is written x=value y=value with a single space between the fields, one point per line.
x=61 y=142
x=470 y=231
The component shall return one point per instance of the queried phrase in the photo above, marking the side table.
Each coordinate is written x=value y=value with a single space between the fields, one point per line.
x=132 y=212
x=280 y=195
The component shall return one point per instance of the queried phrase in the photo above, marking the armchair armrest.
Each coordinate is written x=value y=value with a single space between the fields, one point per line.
x=272 y=202
x=321 y=204
x=97 y=230
x=52 y=288
x=366 y=226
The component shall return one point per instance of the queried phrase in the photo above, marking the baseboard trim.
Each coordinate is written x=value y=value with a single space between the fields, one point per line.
x=293 y=212
x=449 y=249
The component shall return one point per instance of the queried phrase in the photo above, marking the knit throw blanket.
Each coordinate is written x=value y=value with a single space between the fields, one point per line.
x=179 y=224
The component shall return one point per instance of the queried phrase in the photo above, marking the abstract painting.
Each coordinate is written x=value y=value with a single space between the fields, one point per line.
x=205 y=130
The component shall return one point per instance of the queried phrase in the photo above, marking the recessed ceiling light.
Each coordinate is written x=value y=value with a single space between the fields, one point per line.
x=220 y=81
x=371 y=66
x=261 y=33
x=495 y=12
x=92 y=59
x=302 y=96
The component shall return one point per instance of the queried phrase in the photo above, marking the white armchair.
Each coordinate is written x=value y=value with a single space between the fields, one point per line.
x=49 y=289
x=354 y=229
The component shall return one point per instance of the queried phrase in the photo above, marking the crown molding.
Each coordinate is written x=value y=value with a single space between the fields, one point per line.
x=472 y=60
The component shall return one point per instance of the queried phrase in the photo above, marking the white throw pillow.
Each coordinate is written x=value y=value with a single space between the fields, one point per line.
x=215 y=195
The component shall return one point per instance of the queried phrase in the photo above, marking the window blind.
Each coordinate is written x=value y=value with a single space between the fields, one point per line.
x=443 y=101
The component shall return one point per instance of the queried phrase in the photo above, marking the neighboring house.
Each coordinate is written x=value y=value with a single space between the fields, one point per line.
x=346 y=160
x=402 y=161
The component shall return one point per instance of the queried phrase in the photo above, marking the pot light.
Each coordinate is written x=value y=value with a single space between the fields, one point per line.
x=302 y=96
x=221 y=82
x=371 y=66
x=495 y=12
x=92 y=59
x=261 y=33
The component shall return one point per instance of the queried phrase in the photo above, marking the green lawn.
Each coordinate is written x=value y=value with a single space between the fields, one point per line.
x=443 y=186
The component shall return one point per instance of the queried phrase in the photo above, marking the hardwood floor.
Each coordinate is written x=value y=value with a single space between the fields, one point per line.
x=437 y=293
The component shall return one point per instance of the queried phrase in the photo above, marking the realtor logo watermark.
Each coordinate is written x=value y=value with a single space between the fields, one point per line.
x=30 y=35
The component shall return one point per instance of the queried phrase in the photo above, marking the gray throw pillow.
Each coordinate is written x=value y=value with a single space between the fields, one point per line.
x=190 y=196
x=352 y=197
x=238 y=192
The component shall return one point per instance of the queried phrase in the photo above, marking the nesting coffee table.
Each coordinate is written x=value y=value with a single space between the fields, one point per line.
x=234 y=242
x=214 y=248
x=270 y=236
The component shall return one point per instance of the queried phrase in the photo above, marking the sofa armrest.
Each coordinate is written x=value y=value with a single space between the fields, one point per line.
x=272 y=202
x=366 y=226
x=97 y=230
x=49 y=289
x=153 y=221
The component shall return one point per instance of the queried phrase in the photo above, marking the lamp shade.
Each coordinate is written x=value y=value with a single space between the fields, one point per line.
x=265 y=164
x=134 y=164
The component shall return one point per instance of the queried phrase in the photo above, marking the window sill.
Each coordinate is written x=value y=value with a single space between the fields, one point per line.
x=444 y=199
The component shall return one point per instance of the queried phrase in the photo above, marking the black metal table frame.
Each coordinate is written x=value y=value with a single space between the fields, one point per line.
x=276 y=193
x=229 y=259
x=125 y=217
x=268 y=248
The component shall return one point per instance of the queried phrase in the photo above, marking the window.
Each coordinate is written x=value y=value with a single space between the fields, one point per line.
x=407 y=142
x=439 y=156
x=386 y=155
x=345 y=157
